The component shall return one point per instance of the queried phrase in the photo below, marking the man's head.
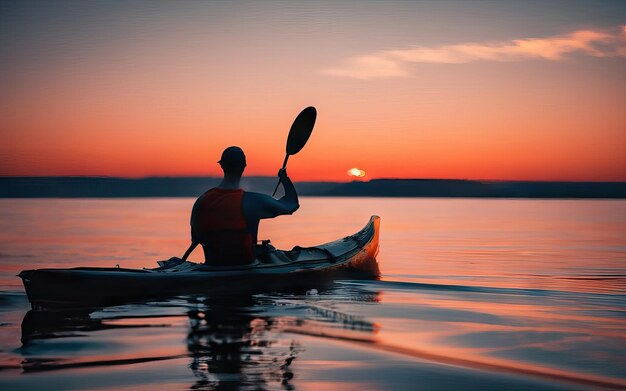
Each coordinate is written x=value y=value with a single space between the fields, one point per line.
x=233 y=161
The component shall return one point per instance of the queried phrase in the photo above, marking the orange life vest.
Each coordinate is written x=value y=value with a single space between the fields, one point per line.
x=218 y=222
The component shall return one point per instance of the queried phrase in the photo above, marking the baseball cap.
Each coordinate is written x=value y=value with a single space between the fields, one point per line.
x=233 y=157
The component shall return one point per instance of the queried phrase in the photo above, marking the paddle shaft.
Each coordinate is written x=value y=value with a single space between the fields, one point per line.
x=284 y=166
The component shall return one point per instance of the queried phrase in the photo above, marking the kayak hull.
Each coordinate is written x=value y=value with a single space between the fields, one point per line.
x=350 y=257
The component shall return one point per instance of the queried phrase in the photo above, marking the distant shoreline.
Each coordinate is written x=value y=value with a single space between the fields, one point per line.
x=109 y=187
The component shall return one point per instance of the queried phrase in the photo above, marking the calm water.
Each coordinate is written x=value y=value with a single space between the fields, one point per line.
x=483 y=294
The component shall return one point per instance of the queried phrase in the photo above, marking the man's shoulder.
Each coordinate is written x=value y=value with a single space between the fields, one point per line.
x=206 y=192
x=198 y=200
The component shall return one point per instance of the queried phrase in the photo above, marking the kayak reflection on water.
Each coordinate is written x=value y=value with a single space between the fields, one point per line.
x=225 y=219
x=252 y=341
x=230 y=345
x=232 y=342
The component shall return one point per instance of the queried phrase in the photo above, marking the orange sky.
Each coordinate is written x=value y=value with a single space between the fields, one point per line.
x=155 y=89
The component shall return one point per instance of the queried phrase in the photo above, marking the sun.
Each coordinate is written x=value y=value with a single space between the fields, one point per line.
x=356 y=172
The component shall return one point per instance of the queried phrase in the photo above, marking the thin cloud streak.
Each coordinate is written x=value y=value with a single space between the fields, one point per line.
x=395 y=63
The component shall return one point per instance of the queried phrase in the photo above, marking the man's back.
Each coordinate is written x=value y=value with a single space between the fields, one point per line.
x=219 y=224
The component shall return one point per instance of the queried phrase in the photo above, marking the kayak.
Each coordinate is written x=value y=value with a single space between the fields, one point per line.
x=353 y=257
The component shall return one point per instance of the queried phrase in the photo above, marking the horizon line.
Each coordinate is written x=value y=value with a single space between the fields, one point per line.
x=304 y=181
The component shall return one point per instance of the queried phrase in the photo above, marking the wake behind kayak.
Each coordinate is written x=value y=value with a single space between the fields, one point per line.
x=351 y=257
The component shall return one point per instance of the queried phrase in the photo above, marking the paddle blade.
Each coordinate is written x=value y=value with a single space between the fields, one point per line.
x=301 y=130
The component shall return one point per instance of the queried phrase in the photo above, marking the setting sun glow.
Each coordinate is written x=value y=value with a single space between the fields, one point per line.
x=355 y=172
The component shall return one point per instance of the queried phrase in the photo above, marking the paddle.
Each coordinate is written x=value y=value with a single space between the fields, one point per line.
x=299 y=134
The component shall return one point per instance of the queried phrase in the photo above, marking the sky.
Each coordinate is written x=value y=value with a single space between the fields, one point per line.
x=492 y=90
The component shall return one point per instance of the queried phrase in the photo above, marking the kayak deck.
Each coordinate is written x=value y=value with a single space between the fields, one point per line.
x=353 y=256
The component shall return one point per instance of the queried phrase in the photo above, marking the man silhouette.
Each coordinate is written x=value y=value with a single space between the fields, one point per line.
x=225 y=219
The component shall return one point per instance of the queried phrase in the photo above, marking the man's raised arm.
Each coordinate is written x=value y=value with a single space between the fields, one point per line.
x=262 y=206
